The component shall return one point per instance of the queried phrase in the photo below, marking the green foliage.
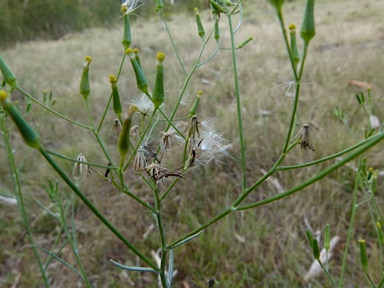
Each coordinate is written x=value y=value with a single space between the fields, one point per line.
x=52 y=19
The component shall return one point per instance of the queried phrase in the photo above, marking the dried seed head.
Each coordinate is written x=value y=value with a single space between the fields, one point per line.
x=193 y=127
x=116 y=128
x=134 y=132
x=305 y=138
x=78 y=168
x=140 y=162
x=165 y=142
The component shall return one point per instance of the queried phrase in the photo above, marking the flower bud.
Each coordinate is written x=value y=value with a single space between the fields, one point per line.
x=8 y=75
x=136 y=51
x=115 y=96
x=363 y=254
x=141 y=81
x=277 y=4
x=159 y=5
x=127 y=36
x=369 y=93
x=310 y=237
x=315 y=248
x=85 y=88
x=192 y=111
x=158 y=89
x=217 y=30
x=200 y=28
x=123 y=143
x=327 y=238
x=307 y=31
x=216 y=8
x=294 y=51
x=29 y=135
x=245 y=42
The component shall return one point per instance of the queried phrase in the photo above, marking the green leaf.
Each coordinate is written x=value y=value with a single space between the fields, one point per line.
x=186 y=240
x=170 y=268
x=134 y=268
x=61 y=260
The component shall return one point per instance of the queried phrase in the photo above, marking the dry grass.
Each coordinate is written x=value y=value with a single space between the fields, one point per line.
x=348 y=45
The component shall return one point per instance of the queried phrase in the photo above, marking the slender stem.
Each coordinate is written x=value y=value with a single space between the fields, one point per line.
x=327 y=273
x=162 y=17
x=238 y=105
x=186 y=82
x=369 y=279
x=103 y=147
x=162 y=235
x=320 y=175
x=50 y=110
x=282 y=26
x=19 y=196
x=75 y=160
x=110 y=96
x=353 y=147
x=381 y=283
x=169 y=189
x=202 y=227
x=258 y=182
x=72 y=243
x=89 y=113
x=94 y=209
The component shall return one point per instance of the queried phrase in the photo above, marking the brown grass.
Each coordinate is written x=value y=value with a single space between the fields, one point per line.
x=275 y=253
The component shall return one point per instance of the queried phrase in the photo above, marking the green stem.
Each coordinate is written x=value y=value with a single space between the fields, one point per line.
x=281 y=168
x=94 y=209
x=202 y=227
x=89 y=113
x=50 y=110
x=186 y=82
x=327 y=273
x=381 y=283
x=162 y=235
x=238 y=105
x=369 y=278
x=169 y=189
x=75 y=160
x=72 y=243
x=162 y=17
x=103 y=147
x=110 y=96
x=316 y=178
x=19 y=195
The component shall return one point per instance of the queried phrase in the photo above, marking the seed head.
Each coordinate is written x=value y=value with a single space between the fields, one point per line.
x=78 y=168
x=305 y=138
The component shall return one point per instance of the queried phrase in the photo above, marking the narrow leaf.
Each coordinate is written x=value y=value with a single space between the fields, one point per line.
x=46 y=209
x=186 y=240
x=170 y=268
x=60 y=260
x=134 y=268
